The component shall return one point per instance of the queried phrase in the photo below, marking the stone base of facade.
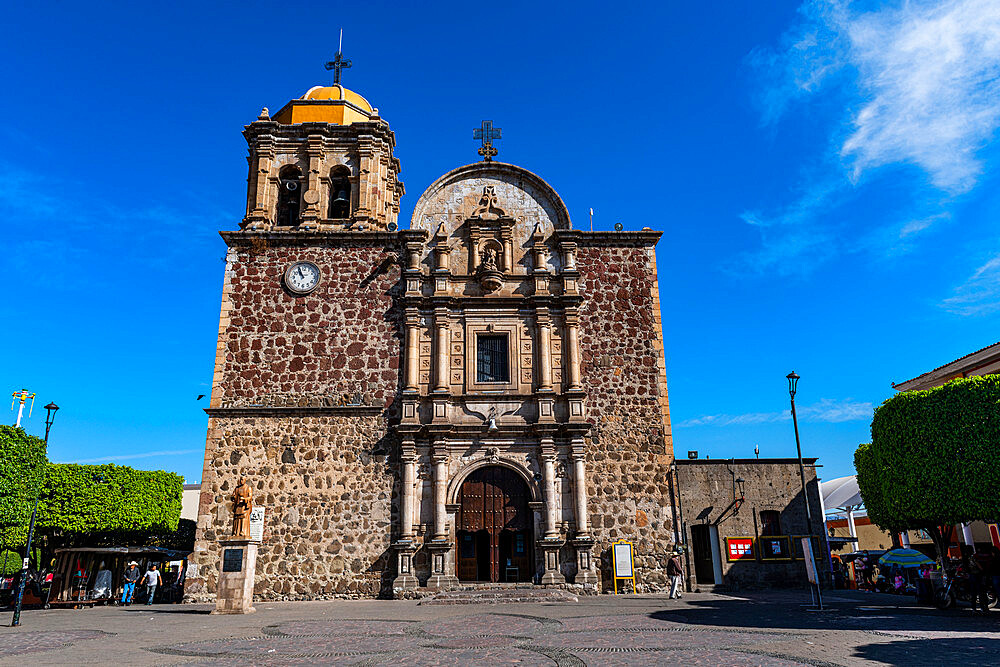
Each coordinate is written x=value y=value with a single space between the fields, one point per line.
x=550 y=554
x=234 y=591
x=405 y=580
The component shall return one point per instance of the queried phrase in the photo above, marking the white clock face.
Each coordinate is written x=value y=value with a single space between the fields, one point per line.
x=302 y=277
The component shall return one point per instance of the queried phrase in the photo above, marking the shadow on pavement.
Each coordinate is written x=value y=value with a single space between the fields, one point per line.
x=911 y=652
x=788 y=611
x=173 y=609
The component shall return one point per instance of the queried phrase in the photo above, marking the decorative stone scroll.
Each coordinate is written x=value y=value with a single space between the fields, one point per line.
x=489 y=208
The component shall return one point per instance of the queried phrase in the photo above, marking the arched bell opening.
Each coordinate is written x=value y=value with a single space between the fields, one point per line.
x=340 y=193
x=495 y=527
x=289 y=196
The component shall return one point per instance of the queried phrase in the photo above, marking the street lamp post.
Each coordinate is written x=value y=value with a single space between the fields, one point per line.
x=50 y=416
x=793 y=381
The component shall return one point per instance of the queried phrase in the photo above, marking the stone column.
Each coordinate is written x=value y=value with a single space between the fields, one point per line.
x=549 y=479
x=440 y=492
x=264 y=152
x=405 y=546
x=582 y=542
x=311 y=196
x=412 y=351
x=366 y=157
x=580 y=494
x=573 y=343
x=441 y=325
x=544 y=354
x=440 y=548
x=551 y=543
x=406 y=496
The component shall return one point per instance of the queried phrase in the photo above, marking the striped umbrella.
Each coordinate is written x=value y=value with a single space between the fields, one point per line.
x=904 y=558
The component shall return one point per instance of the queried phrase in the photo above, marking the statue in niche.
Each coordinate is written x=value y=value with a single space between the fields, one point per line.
x=242 y=506
x=489 y=259
x=490 y=277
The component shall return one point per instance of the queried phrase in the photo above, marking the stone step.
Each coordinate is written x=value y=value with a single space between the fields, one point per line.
x=500 y=596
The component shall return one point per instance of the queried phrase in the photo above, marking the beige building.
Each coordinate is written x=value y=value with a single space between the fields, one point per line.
x=480 y=397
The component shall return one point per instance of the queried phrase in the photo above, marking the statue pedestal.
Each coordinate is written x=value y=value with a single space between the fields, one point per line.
x=234 y=590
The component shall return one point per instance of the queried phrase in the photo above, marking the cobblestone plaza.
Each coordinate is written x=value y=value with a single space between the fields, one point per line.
x=701 y=629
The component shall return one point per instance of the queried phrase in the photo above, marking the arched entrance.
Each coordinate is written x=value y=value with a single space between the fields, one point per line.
x=494 y=527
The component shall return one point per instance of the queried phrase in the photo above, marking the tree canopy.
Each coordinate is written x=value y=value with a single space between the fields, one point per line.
x=110 y=499
x=81 y=503
x=934 y=458
x=22 y=468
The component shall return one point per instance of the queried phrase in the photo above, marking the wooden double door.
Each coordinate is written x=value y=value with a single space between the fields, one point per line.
x=495 y=527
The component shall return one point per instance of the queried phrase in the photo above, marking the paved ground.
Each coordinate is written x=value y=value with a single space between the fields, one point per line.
x=702 y=629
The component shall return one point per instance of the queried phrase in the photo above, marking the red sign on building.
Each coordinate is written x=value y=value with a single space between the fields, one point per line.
x=739 y=548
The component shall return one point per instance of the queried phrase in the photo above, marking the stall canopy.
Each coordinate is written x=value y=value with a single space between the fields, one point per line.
x=841 y=493
x=166 y=554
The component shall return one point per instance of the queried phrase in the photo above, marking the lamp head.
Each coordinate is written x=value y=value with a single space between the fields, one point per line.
x=793 y=383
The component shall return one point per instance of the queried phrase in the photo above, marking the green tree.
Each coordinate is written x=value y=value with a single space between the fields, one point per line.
x=110 y=500
x=934 y=458
x=22 y=470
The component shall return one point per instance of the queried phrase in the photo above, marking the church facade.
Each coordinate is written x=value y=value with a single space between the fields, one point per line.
x=480 y=397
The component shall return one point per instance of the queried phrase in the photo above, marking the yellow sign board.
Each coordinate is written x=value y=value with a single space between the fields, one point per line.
x=623 y=563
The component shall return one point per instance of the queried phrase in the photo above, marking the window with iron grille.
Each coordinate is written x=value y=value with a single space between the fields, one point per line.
x=492 y=361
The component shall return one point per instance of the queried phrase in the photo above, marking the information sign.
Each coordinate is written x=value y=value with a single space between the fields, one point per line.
x=623 y=563
x=807 y=553
x=739 y=548
x=232 y=560
x=257 y=523
x=774 y=547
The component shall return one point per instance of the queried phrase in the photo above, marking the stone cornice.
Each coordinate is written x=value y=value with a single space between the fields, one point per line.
x=375 y=128
x=314 y=237
x=297 y=411
x=587 y=239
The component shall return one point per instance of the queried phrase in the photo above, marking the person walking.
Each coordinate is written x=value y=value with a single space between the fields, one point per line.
x=977 y=580
x=675 y=573
x=129 y=580
x=152 y=579
x=993 y=570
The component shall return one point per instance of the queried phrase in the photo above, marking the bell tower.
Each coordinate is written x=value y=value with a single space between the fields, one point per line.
x=324 y=162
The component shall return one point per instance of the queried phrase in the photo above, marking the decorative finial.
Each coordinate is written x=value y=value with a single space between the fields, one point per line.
x=264 y=114
x=487 y=133
x=338 y=63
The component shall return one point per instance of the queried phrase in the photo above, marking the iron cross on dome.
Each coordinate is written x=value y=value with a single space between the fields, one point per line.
x=487 y=133
x=337 y=64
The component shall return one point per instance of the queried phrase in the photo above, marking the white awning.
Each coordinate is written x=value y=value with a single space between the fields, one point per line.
x=841 y=493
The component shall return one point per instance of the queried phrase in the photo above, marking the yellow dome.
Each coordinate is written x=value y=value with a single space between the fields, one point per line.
x=327 y=104
x=337 y=92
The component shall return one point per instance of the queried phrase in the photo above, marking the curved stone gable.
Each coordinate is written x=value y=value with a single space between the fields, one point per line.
x=520 y=195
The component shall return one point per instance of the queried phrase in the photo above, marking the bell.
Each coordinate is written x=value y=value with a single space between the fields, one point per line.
x=341 y=197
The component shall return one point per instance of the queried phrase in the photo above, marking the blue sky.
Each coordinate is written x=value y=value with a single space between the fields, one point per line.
x=824 y=174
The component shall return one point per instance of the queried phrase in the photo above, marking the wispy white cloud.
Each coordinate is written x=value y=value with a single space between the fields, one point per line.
x=919 y=83
x=826 y=410
x=139 y=455
x=930 y=73
x=980 y=294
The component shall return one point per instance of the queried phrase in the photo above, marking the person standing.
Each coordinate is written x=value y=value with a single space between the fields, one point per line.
x=129 y=581
x=675 y=573
x=993 y=570
x=152 y=579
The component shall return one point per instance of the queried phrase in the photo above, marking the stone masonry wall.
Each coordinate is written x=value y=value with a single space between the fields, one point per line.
x=706 y=489
x=327 y=483
x=323 y=472
x=343 y=337
x=629 y=451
